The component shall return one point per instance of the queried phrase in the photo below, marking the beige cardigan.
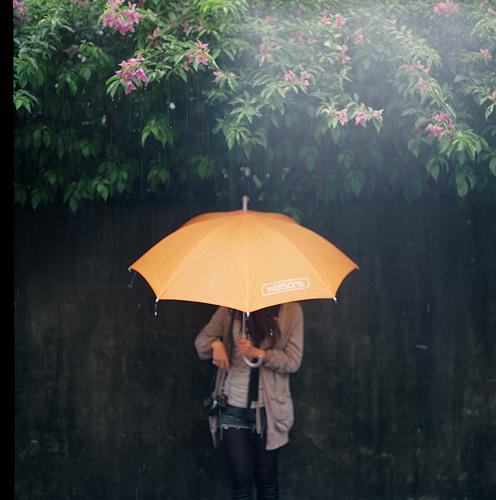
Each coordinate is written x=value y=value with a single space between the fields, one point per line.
x=280 y=361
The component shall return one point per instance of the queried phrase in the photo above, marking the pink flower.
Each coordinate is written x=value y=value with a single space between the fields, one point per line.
x=446 y=8
x=269 y=19
x=304 y=79
x=131 y=13
x=202 y=59
x=485 y=54
x=442 y=125
x=361 y=118
x=444 y=120
x=122 y=20
x=218 y=75
x=325 y=20
x=359 y=37
x=136 y=60
x=434 y=130
x=418 y=65
x=492 y=96
x=343 y=117
x=20 y=9
x=377 y=113
x=201 y=45
x=130 y=87
x=141 y=75
x=130 y=72
x=198 y=54
x=290 y=76
x=421 y=87
x=340 y=21
x=491 y=11
x=443 y=116
x=421 y=67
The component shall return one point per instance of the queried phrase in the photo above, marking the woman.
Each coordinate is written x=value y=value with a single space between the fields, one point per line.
x=259 y=412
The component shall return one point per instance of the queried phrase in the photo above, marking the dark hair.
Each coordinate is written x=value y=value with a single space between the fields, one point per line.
x=263 y=324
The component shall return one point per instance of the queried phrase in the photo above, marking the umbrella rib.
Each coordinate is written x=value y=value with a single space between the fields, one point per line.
x=282 y=235
x=246 y=264
x=183 y=257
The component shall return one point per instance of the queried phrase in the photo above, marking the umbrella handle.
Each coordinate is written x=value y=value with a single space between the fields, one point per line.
x=253 y=364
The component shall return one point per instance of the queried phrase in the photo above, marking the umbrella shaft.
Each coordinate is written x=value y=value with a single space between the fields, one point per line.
x=243 y=333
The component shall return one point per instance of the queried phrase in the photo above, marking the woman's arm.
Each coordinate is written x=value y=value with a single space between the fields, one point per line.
x=211 y=333
x=288 y=359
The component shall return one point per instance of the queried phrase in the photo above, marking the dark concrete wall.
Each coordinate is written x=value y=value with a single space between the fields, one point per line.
x=395 y=398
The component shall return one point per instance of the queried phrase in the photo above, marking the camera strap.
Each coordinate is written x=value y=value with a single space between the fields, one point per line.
x=215 y=388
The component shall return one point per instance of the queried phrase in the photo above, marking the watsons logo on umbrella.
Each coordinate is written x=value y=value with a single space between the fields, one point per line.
x=284 y=286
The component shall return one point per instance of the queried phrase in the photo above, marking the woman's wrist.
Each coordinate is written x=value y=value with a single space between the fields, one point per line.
x=213 y=342
x=262 y=353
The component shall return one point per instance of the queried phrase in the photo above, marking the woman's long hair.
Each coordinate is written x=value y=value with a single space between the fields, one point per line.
x=263 y=324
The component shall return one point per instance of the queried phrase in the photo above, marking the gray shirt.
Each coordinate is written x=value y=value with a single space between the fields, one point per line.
x=238 y=378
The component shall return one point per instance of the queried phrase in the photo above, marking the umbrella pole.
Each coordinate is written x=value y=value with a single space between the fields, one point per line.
x=246 y=359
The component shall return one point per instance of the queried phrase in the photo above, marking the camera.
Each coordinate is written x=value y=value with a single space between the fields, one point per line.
x=213 y=405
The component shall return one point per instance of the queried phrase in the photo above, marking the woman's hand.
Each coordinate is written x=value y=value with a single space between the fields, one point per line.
x=248 y=349
x=219 y=354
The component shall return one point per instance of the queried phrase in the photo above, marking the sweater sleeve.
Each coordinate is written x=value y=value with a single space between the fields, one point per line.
x=215 y=328
x=288 y=359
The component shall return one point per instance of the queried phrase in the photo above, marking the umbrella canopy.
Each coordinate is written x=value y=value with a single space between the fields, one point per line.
x=244 y=259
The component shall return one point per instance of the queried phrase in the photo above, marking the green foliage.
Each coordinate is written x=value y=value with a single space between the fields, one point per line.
x=287 y=101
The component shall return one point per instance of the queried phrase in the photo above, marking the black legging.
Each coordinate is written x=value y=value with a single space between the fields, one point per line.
x=247 y=458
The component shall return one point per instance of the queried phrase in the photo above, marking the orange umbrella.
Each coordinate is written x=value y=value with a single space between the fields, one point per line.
x=244 y=259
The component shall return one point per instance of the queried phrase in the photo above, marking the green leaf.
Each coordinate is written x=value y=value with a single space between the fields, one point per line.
x=355 y=181
x=102 y=190
x=86 y=73
x=46 y=138
x=144 y=135
x=74 y=204
x=182 y=74
x=461 y=185
x=414 y=146
x=113 y=86
x=51 y=177
x=35 y=198
x=433 y=168
x=358 y=182
x=465 y=181
x=489 y=110
x=37 y=138
x=71 y=83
